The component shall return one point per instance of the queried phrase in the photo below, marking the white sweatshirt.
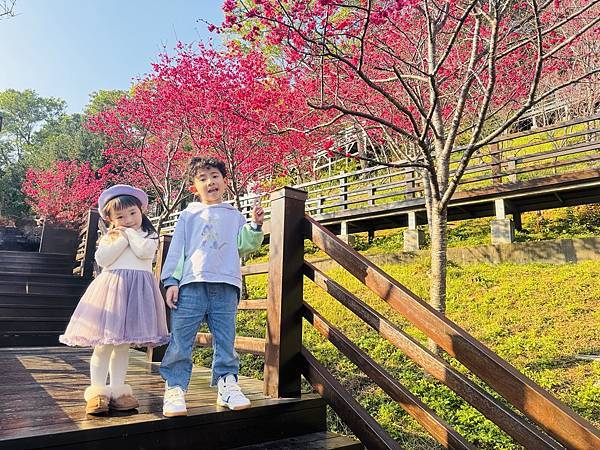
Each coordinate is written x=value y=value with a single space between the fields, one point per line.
x=135 y=252
x=207 y=245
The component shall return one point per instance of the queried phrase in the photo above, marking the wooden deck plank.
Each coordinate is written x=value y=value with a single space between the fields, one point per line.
x=316 y=441
x=51 y=381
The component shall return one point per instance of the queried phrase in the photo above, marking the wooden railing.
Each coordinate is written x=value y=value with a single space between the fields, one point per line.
x=88 y=238
x=534 y=419
x=560 y=148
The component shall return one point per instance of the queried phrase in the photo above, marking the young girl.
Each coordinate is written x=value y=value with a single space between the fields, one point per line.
x=123 y=306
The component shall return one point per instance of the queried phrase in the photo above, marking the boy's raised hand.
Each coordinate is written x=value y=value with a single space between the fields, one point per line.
x=258 y=214
x=172 y=296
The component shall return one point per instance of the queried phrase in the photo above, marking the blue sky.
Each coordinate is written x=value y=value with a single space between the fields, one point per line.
x=69 y=48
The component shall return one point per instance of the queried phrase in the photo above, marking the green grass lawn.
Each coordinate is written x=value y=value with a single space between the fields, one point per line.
x=538 y=317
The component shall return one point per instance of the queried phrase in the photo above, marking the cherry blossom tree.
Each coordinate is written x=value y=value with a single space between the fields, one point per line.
x=146 y=142
x=426 y=75
x=65 y=191
x=200 y=101
x=231 y=105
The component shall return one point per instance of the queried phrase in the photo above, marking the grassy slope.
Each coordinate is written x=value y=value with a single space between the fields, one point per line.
x=538 y=317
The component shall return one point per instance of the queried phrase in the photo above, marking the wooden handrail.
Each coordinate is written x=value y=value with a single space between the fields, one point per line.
x=350 y=411
x=549 y=413
x=522 y=431
x=256 y=305
x=437 y=427
x=90 y=239
x=243 y=344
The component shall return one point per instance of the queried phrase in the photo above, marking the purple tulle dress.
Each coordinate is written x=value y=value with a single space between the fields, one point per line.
x=121 y=306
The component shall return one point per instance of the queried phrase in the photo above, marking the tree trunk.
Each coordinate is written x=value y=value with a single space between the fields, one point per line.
x=439 y=258
x=161 y=220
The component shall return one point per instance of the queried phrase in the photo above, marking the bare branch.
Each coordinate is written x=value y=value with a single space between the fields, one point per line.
x=365 y=116
x=7 y=9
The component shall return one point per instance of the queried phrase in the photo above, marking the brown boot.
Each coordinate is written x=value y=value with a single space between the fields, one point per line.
x=122 y=399
x=97 y=398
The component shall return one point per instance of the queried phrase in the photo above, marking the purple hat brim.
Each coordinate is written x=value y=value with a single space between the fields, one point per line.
x=118 y=190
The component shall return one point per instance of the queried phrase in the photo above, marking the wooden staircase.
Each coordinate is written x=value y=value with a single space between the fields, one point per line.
x=38 y=294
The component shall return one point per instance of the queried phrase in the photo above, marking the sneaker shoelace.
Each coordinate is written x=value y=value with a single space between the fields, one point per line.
x=174 y=395
x=233 y=391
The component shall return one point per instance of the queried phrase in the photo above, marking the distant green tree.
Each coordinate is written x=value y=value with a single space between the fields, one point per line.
x=24 y=114
x=65 y=138
x=102 y=100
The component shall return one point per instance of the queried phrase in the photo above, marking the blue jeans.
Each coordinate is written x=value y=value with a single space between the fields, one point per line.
x=215 y=303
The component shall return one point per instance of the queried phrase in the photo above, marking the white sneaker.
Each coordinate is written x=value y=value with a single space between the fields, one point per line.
x=174 y=402
x=230 y=394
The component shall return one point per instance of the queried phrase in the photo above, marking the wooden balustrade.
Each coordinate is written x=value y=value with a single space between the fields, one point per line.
x=554 y=425
x=88 y=239
x=521 y=430
x=432 y=423
x=546 y=411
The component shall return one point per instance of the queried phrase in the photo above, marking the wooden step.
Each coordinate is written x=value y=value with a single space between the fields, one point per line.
x=207 y=428
x=14 y=276
x=9 y=254
x=33 y=324
x=26 y=287
x=39 y=299
x=32 y=339
x=42 y=268
x=19 y=310
x=324 y=440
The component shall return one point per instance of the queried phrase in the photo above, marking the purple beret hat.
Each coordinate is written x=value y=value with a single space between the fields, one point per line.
x=116 y=191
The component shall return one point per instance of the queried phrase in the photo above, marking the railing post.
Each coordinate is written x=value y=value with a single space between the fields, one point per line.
x=285 y=293
x=91 y=238
x=511 y=166
x=496 y=163
x=155 y=354
x=320 y=204
x=409 y=176
x=344 y=189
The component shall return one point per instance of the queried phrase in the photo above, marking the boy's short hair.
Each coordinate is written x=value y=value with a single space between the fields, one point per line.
x=199 y=162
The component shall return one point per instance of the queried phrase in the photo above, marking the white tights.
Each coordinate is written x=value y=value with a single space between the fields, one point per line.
x=107 y=359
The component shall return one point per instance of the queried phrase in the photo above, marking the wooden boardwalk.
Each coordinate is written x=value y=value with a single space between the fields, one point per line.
x=543 y=168
x=42 y=407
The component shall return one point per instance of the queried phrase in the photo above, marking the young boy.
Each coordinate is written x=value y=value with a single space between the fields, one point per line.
x=202 y=275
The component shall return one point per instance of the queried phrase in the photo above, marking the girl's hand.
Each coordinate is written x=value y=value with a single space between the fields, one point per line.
x=114 y=233
x=172 y=296
x=121 y=231
x=258 y=214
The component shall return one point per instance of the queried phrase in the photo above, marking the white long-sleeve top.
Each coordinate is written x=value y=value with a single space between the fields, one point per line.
x=135 y=252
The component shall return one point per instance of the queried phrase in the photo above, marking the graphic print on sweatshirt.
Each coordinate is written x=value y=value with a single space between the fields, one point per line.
x=209 y=237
